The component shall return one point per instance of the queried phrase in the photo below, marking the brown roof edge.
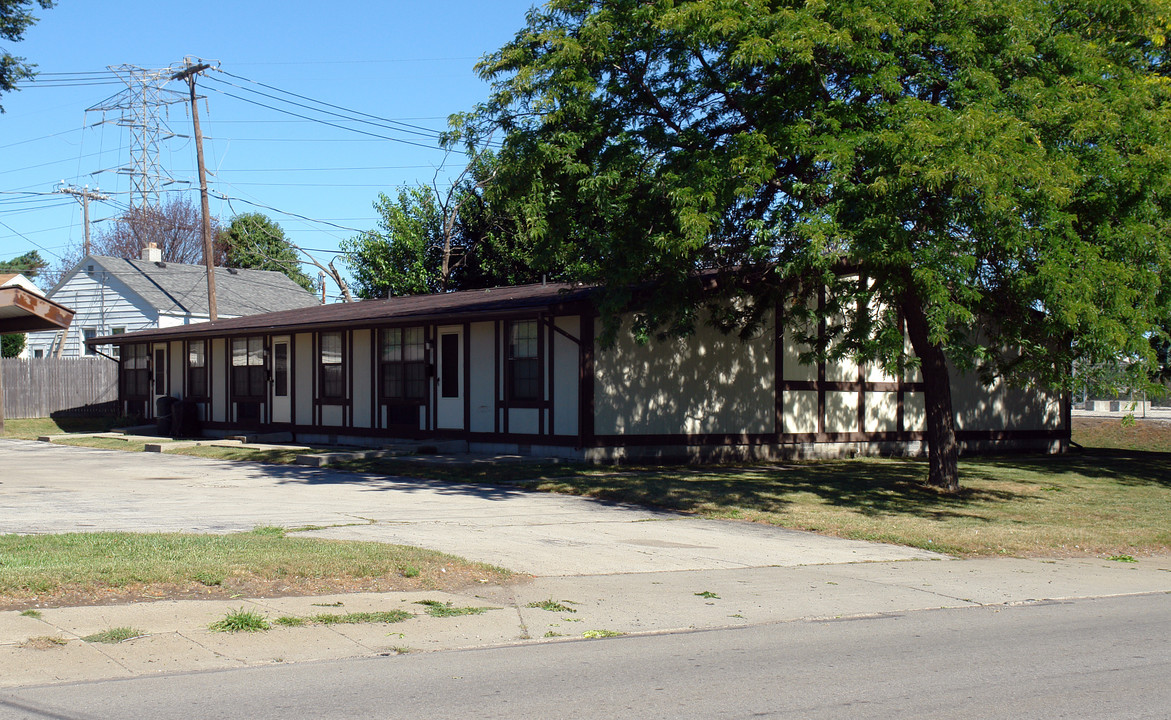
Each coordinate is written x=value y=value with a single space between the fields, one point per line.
x=24 y=311
x=464 y=305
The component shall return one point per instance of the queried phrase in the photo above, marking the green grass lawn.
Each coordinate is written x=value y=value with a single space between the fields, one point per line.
x=32 y=428
x=90 y=562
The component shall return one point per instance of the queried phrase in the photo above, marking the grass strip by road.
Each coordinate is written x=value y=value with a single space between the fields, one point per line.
x=266 y=558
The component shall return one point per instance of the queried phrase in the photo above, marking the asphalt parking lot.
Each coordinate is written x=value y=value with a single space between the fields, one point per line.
x=48 y=488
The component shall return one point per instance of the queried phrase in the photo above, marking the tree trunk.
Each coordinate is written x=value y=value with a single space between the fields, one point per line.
x=942 y=449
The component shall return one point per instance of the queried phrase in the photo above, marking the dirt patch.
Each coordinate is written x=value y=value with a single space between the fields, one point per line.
x=452 y=579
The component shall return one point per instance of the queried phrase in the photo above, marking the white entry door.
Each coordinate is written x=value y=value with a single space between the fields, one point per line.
x=282 y=405
x=159 y=377
x=449 y=395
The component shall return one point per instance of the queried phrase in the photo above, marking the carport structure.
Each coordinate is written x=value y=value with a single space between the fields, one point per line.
x=24 y=311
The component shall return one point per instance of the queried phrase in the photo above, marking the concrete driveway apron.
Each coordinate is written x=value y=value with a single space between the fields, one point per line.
x=53 y=489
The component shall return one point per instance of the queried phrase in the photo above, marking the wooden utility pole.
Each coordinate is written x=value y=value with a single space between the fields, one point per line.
x=84 y=196
x=189 y=74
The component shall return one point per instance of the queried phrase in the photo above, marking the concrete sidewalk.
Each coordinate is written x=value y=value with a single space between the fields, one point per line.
x=176 y=637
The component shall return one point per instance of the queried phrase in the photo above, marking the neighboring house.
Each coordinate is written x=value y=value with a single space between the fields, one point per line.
x=112 y=295
x=520 y=370
x=16 y=280
x=20 y=281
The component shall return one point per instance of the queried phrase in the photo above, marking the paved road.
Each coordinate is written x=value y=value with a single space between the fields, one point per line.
x=51 y=488
x=1102 y=658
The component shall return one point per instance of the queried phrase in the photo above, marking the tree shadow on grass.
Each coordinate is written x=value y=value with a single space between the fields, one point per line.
x=1125 y=467
x=870 y=487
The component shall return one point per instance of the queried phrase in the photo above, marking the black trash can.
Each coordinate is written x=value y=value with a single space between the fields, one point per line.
x=184 y=419
x=163 y=407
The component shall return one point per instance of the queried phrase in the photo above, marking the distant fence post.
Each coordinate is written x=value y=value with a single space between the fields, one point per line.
x=44 y=387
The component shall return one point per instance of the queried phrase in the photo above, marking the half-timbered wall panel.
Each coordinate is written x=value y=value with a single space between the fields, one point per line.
x=566 y=354
x=707 y=383
x=363 y=382
x=304 y=368
x=482 y=388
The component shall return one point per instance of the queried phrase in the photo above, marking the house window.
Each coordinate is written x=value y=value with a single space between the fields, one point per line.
x=160 y=371
x=38 y=353
x=117 y=349
x=449 y=349
x=403 y=363
x=88 y=334
x=249 y=377
x=197 y=369
x=333 y=378
x=524 y=364
x=136 y=371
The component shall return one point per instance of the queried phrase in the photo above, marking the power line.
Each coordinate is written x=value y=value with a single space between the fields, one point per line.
x=330 y=124
x=427 y=130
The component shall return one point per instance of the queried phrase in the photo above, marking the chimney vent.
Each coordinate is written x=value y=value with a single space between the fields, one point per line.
x=151 y=253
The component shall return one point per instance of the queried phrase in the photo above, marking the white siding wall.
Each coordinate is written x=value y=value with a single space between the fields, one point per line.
x=100 y=302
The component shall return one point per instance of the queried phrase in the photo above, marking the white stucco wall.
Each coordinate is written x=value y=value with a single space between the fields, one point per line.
x=566 y=363
x=363 y=382
x=483 y=368
x=707 y=383
x=303 y=377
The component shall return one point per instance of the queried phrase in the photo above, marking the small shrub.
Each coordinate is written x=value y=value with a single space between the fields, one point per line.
x=241 y=621
x=410 y=571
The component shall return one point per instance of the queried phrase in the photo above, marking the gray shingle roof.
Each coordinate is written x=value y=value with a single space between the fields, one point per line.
x=182 y=289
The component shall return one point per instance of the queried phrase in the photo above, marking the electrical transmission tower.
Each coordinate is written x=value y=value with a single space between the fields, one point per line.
x=139 y=107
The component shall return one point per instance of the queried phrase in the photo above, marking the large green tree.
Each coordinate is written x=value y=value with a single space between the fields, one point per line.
x=255 y=241
x=995 y=170
x=430 y=241
x=16 y=17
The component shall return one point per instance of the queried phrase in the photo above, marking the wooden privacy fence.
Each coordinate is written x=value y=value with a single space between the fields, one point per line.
x=43 y=387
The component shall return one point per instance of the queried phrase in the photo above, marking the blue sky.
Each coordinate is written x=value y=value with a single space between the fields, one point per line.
x=405 y=62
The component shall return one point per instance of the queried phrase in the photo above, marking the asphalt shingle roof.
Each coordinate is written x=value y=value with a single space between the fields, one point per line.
x=175 y=288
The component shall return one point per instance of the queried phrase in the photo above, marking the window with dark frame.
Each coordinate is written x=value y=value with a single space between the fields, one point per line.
x=197 y=369
x=160 y=371
x=88 y=334
x=403 y=364
x=449 y=372
x=136 y=371
x=332 y=384
x=524 y=365
x=280 y=370
x=249 y=377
